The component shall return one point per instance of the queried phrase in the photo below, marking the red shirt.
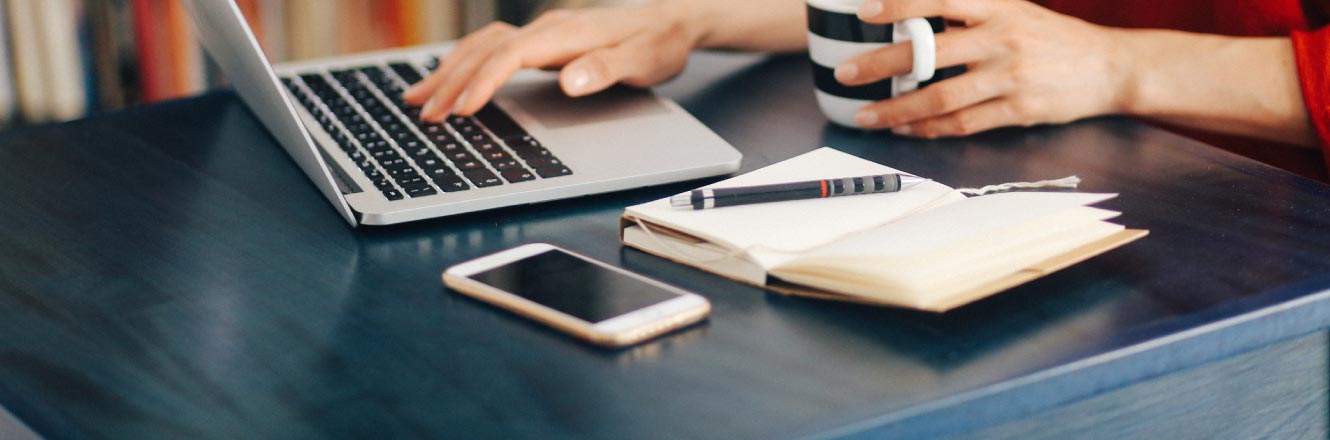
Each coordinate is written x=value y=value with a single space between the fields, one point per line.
x=1303 y=20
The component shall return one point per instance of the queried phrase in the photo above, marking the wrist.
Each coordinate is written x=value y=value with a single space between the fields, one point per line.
x=690 y=17
x=1130 y=67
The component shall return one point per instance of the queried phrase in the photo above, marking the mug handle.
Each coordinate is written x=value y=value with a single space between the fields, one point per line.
x=925 y=48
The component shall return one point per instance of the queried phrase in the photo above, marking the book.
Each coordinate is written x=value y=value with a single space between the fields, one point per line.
x=152 y=48
x=311 y=29
x=26 y=47
x=928 y=247
x=66 y=83
x=8 y=101
x=436 y=20
x=272 y=19
x=187 y=70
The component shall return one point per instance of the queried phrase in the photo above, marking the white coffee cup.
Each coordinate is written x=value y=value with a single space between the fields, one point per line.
x=836 y=34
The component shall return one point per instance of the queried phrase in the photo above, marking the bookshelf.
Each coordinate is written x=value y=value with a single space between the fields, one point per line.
x=64 y=59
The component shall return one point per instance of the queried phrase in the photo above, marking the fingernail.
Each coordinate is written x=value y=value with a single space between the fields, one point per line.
x=429 y=107
x=847 y=72
x=866 y=119
x=870 y=9
x=903 y=130
x=579 y=79
x=461 y=101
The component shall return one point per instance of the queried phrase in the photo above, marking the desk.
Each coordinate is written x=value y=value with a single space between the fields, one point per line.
x=167 y=272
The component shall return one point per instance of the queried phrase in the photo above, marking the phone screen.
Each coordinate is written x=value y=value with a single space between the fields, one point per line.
x=574 y=286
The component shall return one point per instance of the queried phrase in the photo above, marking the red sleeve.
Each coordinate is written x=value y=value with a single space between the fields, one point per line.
x=1312 y=49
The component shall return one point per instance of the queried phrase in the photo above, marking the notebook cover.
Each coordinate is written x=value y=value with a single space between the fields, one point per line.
x=1032 y=273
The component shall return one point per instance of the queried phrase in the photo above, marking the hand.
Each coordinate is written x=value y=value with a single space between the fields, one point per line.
x=1027 y=65
x=637 y=45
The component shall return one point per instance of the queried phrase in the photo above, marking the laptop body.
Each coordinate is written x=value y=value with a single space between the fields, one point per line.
x=343 y=123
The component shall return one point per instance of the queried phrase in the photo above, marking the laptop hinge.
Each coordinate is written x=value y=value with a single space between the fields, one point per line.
x=344 y=182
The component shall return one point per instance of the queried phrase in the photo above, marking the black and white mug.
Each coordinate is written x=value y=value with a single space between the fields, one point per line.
x=836 y=34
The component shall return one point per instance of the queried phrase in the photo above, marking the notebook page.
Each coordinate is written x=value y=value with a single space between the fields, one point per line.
x=957 y=222
x=774 y=232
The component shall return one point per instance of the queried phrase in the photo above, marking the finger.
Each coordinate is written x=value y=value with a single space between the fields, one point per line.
x=483 y=39
x=997 y=113
x=953 y=49
x=422 y=90
x=936 y=100
x=440 y=102
x=891 y=11
x=641 y=61
x=555 y=45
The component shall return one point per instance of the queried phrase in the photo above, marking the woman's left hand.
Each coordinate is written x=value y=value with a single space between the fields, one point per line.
x=1027 y=65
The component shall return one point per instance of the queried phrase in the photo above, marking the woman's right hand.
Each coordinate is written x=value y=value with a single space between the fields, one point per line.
x=639 y=45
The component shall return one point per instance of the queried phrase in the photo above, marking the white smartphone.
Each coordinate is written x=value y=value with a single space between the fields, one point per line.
x=592 y=300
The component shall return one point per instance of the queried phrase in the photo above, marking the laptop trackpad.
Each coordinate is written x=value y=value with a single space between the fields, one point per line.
x=545 y=102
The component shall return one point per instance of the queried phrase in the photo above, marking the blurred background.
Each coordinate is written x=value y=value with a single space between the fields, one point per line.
x=64 y=59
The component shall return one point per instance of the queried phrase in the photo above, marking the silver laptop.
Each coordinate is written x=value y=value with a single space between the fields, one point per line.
x=343 y=121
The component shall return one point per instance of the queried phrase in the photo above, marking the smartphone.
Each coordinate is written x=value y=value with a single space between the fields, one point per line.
x=591 y=300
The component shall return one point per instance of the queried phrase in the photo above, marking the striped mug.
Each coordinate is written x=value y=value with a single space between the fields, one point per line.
x=836 y=34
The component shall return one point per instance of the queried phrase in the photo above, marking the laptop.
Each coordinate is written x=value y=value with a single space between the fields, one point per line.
x=343 y=122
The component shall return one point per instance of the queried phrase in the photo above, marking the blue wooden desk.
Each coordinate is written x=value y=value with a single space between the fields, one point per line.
x=167 y=272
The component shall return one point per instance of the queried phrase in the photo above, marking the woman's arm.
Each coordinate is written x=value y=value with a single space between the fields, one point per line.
x=753 y=25
x=1240 y=86
x=639 y=45
x=1029 y=65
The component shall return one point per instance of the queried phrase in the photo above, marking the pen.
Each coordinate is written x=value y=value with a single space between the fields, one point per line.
x=814 y=189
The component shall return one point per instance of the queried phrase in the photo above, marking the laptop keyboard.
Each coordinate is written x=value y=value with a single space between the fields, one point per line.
x=363 y=111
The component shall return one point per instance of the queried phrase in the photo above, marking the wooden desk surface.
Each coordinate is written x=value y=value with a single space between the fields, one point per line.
x=167 y=272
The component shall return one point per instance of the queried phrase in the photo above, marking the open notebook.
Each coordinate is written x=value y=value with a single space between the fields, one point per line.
x=927 y=247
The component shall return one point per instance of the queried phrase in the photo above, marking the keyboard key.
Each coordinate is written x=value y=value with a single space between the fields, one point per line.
x=448 y=147
x=382 y=183
x=392 y=194
x=451 y=183
x=397 y=162
x=438 y=173
x=418 y=152
x=459 y=156
x=418 y=189
x=518 y=175
x=384 y=154
x=366 y=165
x=467 y=165
x=529 y=153
x=522 y=142
x=421 y=192
x=498 y=122
x=406 y=72
x=506 y=164
x=544 y=162
x=466 y=130
x=429 y=163
x=411 y=181
x=483 y=178
x=404 y=172
x=442 y=138
x=486 y=147
x=553 y=172
x=493 y=156
x=478 y=137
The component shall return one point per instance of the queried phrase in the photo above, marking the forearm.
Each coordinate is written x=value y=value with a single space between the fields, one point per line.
x=1239 y=86
x=755 y=25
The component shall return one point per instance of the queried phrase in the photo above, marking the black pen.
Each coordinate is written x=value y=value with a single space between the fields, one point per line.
x=780 y=192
